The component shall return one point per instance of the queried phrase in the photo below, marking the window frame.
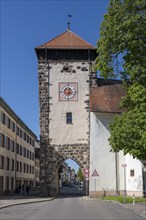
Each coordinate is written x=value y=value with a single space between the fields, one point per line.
x=68 y=117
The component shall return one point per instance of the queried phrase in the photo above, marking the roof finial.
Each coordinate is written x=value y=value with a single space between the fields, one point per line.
x=69 y=16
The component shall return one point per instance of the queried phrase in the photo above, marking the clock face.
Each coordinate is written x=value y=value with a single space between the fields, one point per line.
x=68 y=91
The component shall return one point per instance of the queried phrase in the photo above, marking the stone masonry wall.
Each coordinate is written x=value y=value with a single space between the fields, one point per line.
x=61 y=141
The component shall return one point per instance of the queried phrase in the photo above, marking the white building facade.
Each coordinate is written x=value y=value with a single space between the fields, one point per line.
x=110 y=173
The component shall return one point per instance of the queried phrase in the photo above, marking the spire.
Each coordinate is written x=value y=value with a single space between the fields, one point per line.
x=69 y=16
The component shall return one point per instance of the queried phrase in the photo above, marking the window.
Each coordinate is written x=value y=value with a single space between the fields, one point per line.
x=20 y=167
x=17 y=130
x=69 y=118
x=20 y=132
x=17 y=148
x=24 y=167
x=20 y=150
x=24 y=136
x=3 y=140
x=1 y=183
x=132 y=173
x=1 y=162
x=27 y=153
x=27 y=138
x=13 y=126
x=3 y=118
x=12 y=145
x=7 y=183
x=24 y=152
x=9 y=123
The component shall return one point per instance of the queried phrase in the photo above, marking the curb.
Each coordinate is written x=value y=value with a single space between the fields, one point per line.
x=28 y=202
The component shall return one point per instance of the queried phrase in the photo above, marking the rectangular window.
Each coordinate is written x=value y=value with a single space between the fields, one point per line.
x=17 y=130
x=20 y=167
x=17 y=148
x=8 y=143
x=20 y=150
x=12 y=145
x=3 y=118
x=20 y=132
x=1 y=183
x=1 y=162
x=9 y=123
x=13 y=126
x=24 y=151
x=3 y=140
x=69 y=118
x=24 y=168
x=27 y=138
x=24 y=136
x=7 y=183
x=132 y=173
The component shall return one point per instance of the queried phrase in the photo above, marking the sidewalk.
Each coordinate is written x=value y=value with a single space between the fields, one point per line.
x=11 y=200
x=139 y=208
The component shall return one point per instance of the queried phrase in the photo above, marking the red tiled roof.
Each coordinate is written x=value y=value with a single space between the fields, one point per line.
x=106 y=98
x=67 y=40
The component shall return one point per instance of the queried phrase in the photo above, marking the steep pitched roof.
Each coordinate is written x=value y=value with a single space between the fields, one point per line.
x=106 y=98
x=67 y=40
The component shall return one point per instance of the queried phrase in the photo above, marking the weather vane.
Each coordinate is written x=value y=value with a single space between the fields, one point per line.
x=69 y=16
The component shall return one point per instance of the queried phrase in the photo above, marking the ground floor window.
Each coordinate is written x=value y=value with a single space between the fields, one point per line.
x=1 y=183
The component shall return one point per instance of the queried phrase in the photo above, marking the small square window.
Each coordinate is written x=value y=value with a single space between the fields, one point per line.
x=69 y=118
x=132 y=173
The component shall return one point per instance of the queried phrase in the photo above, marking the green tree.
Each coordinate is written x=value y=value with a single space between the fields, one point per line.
x=80 y=175
x=122 y=52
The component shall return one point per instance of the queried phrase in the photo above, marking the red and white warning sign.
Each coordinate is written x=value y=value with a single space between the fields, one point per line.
x=95 y=173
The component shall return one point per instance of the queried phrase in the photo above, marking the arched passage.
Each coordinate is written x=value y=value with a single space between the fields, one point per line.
x=70 y=184
x=54 y=156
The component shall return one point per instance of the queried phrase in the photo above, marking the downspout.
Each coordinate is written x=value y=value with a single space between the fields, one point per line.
x=116 y=165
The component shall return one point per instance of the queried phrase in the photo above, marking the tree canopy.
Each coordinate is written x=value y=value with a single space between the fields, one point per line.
x=80 y=174
x=122 y=53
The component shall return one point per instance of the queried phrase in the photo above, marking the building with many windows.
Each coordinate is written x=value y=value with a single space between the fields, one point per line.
x=17 y=151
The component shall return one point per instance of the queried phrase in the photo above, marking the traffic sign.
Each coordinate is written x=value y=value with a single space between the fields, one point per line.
x=124 y=165
x=86 y=173
x=95 y=173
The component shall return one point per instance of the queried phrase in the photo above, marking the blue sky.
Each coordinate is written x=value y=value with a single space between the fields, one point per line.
x=26 y=24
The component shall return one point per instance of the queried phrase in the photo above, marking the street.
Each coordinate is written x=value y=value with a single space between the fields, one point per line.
x=69 y=207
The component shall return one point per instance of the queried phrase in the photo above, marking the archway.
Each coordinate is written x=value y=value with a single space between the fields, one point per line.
x=70 y=182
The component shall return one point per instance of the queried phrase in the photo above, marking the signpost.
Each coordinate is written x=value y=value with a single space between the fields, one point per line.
x=124 y=165
x=86 y=175
x=95 y=174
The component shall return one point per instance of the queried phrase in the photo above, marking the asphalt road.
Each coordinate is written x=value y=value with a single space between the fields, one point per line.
x=69 y=207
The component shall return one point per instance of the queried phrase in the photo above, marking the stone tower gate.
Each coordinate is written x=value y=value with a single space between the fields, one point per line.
x=63 y=73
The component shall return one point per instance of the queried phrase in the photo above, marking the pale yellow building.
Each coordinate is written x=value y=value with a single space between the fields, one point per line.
x=17 y=151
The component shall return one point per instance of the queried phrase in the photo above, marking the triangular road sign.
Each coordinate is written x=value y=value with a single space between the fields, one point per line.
x=95 y=173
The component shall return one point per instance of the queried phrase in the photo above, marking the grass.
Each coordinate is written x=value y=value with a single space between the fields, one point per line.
x=121 y=199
